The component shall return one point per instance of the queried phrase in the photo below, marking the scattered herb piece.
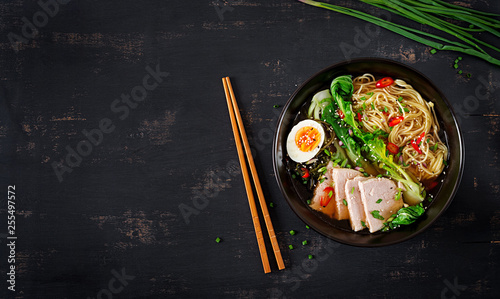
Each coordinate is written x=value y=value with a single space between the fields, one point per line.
x=307 y=226
x=290 y=246
x=304 y=242
x=271 y=205
x=345 y=202
x=433 y=51
x=343 y=163
x=310 y=256
x=376 y=215
x=398 y=195
x=379 y=200
x=308 y=201
x=218 y=240
x=292 y=232
x=352 y=190
x=469 y=75
x=363 y=223
x=276 y=106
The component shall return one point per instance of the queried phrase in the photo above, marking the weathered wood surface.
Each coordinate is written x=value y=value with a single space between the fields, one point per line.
x=121 y=208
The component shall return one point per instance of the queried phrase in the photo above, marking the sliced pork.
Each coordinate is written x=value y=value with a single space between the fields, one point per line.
x=324 y=194
x=378 y=196
x=340 y=177
x=357 y=215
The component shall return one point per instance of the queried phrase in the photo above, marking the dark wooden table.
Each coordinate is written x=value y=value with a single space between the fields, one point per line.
x=115 y=132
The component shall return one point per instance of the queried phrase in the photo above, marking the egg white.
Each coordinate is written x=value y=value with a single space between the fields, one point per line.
x=293 y=150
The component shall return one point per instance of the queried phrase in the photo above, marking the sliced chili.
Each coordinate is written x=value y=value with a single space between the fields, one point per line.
x=341 y=114
x=325 y=200
x=384 y=82
x=415 y=146
x=359 y=117
x=420 y=138
x=431 y=185
x=393 y=149
x=395 y=120
x=306 y=173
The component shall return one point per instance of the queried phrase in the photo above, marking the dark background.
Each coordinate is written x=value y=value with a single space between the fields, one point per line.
x=151 y=199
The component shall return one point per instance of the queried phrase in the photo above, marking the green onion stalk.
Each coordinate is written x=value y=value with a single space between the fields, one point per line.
x=424 y=12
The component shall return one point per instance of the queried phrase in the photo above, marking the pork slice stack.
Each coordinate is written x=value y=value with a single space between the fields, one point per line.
x=366 y=202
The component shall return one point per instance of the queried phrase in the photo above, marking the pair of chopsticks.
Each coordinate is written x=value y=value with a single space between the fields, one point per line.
x=238 y=129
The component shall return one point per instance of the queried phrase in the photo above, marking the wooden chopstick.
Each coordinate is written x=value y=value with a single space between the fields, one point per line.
x=235 y=112
x=248 y=186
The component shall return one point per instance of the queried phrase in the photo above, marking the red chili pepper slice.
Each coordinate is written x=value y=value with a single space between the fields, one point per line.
x=325 y=201
x=359 y=117
x=384 y=82
x=395 y=120
x=306 y=173
x=341 y=114
x=393 y=149
x=420 y=138
x=431 y=185
x=415 y=146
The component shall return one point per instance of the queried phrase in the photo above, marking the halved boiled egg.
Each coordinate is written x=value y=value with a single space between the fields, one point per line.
x=305 y=140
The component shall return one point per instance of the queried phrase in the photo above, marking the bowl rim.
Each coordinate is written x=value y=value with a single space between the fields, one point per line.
x=434 y=87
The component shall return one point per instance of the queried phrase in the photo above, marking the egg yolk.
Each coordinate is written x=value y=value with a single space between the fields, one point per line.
x=307 y=138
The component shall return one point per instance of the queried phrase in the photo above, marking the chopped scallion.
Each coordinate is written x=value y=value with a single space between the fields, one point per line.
x=376 y=214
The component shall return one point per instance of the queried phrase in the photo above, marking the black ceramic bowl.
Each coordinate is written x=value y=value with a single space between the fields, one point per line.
x=297 y=195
